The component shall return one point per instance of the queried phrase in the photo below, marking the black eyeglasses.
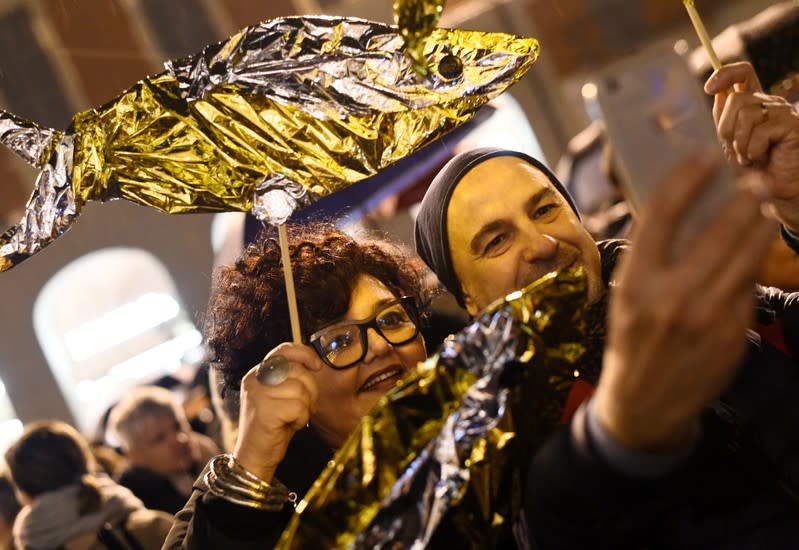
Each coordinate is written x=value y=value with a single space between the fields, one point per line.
x=344 y=344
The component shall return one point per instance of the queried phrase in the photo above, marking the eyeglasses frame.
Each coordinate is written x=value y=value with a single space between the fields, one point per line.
x=408 y=304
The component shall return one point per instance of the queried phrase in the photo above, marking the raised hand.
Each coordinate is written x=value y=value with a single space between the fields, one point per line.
x=676 y=329
x=271 y=414
x=760 y=132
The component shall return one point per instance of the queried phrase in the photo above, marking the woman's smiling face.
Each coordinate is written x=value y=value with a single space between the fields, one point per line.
x=345 y=396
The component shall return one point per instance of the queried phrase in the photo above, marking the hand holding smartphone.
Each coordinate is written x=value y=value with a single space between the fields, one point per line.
x=656 y=117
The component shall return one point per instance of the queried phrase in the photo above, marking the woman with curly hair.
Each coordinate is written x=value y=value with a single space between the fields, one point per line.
x=358 y=305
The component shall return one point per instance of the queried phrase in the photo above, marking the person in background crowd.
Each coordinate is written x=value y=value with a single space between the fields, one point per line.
x=66 y=505
x=108 y=459
x=163 y=454
x=9 y=508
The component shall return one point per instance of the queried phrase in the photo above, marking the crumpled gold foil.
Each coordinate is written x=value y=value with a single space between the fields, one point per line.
x=441 y=461
x=415 y=20
x=277 y=116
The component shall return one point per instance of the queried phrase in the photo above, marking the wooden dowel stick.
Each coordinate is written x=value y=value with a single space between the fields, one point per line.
x=288 y=275
x=701 y=31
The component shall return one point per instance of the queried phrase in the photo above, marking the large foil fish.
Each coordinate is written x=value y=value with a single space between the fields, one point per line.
x=278 y=115
x=441 y=461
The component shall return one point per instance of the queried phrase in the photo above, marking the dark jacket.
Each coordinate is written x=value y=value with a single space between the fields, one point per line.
x=155 y=490
x=737 y=489
x=158 y=491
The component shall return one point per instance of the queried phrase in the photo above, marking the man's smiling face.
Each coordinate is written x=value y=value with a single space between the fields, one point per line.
x=508 y=226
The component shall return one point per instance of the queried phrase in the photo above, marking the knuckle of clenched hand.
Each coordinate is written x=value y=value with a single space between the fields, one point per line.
x=297 y=409
x=726 y=133
x=292 y=384
x=669 y=314
x=703 y=320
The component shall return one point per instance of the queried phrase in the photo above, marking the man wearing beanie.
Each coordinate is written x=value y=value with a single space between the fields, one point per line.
x=690 y=439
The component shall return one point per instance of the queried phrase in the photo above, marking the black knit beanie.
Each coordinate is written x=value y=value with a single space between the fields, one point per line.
x=430 y=231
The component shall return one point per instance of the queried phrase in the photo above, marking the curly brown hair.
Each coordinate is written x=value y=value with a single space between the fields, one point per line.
x=248 y=311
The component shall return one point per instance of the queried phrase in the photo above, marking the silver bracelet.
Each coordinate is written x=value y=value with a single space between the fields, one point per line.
x=229 y=480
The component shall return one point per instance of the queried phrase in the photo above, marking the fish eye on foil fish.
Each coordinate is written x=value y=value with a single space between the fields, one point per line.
x=450 y=67
x=277 y=116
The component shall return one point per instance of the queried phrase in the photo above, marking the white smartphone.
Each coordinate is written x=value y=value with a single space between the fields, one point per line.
x=656 y=116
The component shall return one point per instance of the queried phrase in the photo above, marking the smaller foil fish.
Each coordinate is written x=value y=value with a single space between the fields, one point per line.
x=416 y=20
x=442 y=459
x=278 y=115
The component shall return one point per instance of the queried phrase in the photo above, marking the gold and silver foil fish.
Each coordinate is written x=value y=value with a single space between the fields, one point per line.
x=277 y=116
x=441 y=461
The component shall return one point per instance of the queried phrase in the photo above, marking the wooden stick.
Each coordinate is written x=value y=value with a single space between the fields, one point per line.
x=291 y=295
x=701 y=31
